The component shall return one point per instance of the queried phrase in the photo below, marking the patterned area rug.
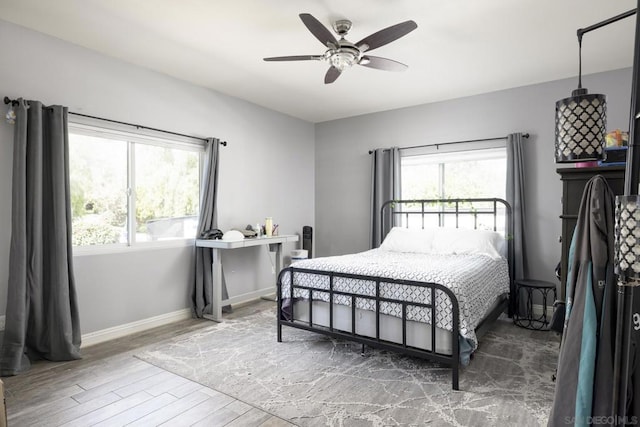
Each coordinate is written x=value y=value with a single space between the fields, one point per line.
x=312 y=380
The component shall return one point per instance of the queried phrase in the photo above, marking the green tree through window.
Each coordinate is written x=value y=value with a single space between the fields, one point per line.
x=457 y=175
x=111 y=175
x=468 y=174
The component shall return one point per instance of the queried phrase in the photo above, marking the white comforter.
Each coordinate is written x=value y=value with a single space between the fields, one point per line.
x=476 y=280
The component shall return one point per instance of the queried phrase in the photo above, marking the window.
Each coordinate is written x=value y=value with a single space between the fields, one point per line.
x=479 y=173
x=128 y=188
x=454 y=175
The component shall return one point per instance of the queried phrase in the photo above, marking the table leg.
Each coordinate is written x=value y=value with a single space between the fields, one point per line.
x=278 y=260
x=277 y=248
x=216 y=287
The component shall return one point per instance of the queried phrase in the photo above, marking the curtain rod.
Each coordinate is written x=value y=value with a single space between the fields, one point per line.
x=14 y=102
x=524 y=135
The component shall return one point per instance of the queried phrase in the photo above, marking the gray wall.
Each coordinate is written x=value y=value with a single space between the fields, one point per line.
x=343 y=162
x=266 y=170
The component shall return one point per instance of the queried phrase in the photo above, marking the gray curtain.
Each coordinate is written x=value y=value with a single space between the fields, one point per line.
x=516 y=198
x=201 y=297
x=42 y=313
x=385 y=185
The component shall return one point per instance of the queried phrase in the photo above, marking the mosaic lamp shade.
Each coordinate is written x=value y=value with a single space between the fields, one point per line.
x=627 y=238
x=581 y=122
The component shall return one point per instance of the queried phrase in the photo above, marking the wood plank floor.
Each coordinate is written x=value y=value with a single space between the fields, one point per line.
x=110 y=387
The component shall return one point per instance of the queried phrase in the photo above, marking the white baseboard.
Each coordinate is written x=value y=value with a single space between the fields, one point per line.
x=537 y=310
x=120 y=331
x=250 y=296
x=97 y=337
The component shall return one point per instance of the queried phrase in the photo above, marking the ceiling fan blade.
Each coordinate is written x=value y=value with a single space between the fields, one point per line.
x=386 y=35
x=318 y=30
x=332 y=75
x=295 y=58
x=382 y=63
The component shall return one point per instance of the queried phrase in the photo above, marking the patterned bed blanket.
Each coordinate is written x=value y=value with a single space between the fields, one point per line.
x=476 y=280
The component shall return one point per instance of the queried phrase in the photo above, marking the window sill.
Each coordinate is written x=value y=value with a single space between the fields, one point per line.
x=79 y=251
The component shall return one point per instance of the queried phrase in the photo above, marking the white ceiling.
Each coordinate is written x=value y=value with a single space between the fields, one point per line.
x=460 y=48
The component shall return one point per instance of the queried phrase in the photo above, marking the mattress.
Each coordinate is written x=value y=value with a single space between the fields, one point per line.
x=418 y=334
x=477 y=281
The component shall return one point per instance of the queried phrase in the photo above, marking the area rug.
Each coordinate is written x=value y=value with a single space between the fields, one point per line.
x=312 y=380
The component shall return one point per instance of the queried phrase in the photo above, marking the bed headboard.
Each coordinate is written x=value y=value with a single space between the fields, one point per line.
x=483 y=214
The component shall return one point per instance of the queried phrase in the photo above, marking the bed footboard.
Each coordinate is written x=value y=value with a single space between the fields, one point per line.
x=289 y=291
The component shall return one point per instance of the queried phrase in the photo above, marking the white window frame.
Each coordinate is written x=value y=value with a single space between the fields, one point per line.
x=442 y=154
x=132 y=135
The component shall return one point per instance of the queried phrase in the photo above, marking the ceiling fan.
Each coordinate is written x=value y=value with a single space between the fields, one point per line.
x=342 y=54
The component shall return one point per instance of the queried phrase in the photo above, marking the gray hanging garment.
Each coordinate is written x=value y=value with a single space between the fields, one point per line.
x=586 y=347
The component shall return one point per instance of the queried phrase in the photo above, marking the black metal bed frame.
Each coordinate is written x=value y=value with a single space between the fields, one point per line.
x=397 y=210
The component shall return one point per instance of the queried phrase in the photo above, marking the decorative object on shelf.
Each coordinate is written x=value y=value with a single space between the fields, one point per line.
x=268 y=226
x=615 y=150
x=617 y=138
x=581 y=121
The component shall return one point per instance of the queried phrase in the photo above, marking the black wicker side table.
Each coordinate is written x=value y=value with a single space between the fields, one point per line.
x=528 y=291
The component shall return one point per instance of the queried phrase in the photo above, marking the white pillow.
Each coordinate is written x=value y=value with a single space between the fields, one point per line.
x=459 y=241
x=402 y=239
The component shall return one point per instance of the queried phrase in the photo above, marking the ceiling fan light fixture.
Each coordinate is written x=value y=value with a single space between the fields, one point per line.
x=343 y=59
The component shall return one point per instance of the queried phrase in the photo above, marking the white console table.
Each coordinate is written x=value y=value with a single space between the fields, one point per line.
x=216 y=246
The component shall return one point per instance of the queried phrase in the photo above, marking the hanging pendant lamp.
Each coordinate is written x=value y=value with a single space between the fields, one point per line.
x=581 y=123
